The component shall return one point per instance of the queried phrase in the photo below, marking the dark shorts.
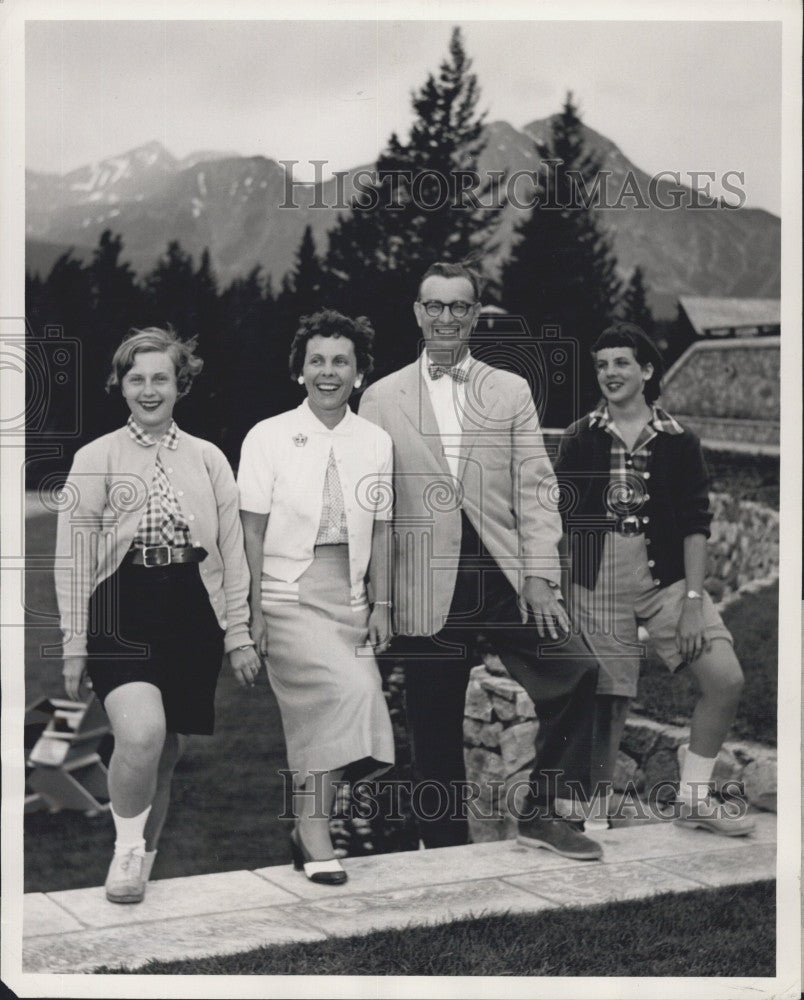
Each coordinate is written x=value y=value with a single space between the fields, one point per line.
x=157 y=625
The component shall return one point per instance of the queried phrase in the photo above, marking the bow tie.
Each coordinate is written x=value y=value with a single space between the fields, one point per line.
x=455 y=372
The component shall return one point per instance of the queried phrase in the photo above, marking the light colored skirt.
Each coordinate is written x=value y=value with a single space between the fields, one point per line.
x=323 y=672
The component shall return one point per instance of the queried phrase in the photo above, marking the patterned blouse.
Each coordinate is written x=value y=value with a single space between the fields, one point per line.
x=628 y=487
x=332 y=529
x=162 y=521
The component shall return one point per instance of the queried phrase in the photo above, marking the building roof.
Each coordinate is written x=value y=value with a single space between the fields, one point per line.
x=716 y=314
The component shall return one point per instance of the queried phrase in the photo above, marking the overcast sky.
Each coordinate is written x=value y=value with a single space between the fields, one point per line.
x=692 y=96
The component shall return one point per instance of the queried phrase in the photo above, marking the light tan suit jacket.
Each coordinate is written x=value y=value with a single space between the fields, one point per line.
x=505 y=485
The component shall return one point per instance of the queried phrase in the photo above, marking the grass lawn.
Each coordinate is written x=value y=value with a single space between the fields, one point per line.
x=711 y=932
x=227 y=791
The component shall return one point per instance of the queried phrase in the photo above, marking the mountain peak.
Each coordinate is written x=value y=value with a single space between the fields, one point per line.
x=500 y=128
x=122 y=176
x=205 y=156
x=233 y=205
x=151 y=154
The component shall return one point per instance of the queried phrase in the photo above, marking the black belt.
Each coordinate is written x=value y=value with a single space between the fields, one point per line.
x=630 y=524
x=153 y=556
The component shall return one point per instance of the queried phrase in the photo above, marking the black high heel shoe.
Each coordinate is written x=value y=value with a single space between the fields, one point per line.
x=325 y=872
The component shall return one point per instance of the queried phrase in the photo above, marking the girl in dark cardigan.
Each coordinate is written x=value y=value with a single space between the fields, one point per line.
x=637 y=517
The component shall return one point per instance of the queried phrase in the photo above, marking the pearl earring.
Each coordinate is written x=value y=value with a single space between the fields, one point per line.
x=300 y=379
x=358 y=381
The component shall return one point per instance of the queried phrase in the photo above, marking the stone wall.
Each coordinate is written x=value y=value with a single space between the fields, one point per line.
x=499 y=732
x=743 y=547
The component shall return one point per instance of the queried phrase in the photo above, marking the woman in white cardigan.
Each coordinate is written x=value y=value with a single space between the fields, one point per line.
x=152 y=584
x=315 y=492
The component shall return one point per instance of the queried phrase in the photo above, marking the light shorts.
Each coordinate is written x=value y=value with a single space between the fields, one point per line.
x=624 y=598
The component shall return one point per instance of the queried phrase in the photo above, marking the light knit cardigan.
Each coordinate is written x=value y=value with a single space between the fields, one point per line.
x=101 y=507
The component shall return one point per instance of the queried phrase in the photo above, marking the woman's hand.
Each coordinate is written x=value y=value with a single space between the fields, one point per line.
x=73 y=672
x=246 y=665
x=379 y=627
x=690 y=632
x=259 y=632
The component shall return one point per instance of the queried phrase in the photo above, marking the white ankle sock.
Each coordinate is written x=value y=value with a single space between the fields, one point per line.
x=600 y=807
x=130 y=831
x=568 y=809
x=695 y=775
x=148 y=862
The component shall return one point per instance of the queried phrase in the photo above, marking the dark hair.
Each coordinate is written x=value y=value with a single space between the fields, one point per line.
x=623 y=334
x=155 y=339
x=446 y=269
x=330 y=323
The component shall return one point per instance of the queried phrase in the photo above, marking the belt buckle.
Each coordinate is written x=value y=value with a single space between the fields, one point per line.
x=163 y=555
x=630 y=525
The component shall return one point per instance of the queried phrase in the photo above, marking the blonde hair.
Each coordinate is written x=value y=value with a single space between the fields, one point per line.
x=153 y=338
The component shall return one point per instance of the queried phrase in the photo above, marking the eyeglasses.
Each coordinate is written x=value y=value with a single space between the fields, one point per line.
x=458 y=309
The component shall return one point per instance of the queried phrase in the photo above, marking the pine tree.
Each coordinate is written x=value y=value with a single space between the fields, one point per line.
x=303 y=287
x=66 y=303
x=377 y=254
x=117 y=299
x=307 y=276
x=186 y=299
x=116 y=306
x=242 y=302
x=635 y=306
x=251 y=387
x=171 y=288
x=205 y=286
x=561 y=271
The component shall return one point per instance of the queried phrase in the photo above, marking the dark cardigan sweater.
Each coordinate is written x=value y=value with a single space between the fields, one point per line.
x=678 y=503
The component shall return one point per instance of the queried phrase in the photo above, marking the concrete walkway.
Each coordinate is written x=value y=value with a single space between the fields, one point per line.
x=78 y=930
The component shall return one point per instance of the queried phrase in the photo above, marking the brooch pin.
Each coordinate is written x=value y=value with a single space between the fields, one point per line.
x=300 y=440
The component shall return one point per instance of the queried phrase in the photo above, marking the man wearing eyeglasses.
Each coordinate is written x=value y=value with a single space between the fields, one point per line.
x=475 y=543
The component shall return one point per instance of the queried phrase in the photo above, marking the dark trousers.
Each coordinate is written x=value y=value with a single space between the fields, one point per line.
x=559 y=676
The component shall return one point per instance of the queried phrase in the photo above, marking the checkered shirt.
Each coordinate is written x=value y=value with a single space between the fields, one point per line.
x=627 y=491
x=332 y=528
x=162 y=521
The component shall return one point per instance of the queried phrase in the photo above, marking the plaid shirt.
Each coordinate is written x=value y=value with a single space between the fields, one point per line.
x=162 y=522
x=628 y=487
x=332 y=529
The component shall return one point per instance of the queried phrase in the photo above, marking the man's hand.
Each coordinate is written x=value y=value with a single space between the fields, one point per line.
x=75 y=668
x=549 y=613
x=246 y=665
x=379 y=627
x=690 y=632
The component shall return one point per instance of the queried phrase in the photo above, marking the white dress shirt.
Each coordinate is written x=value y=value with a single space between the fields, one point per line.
x=283 y=466
x=448 y=399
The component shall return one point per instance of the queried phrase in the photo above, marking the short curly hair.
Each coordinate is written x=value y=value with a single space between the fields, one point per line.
x=331 y=323
x=624 y=334
x=154 y=338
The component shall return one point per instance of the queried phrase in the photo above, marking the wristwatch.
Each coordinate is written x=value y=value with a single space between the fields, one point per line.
x=693 y=595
